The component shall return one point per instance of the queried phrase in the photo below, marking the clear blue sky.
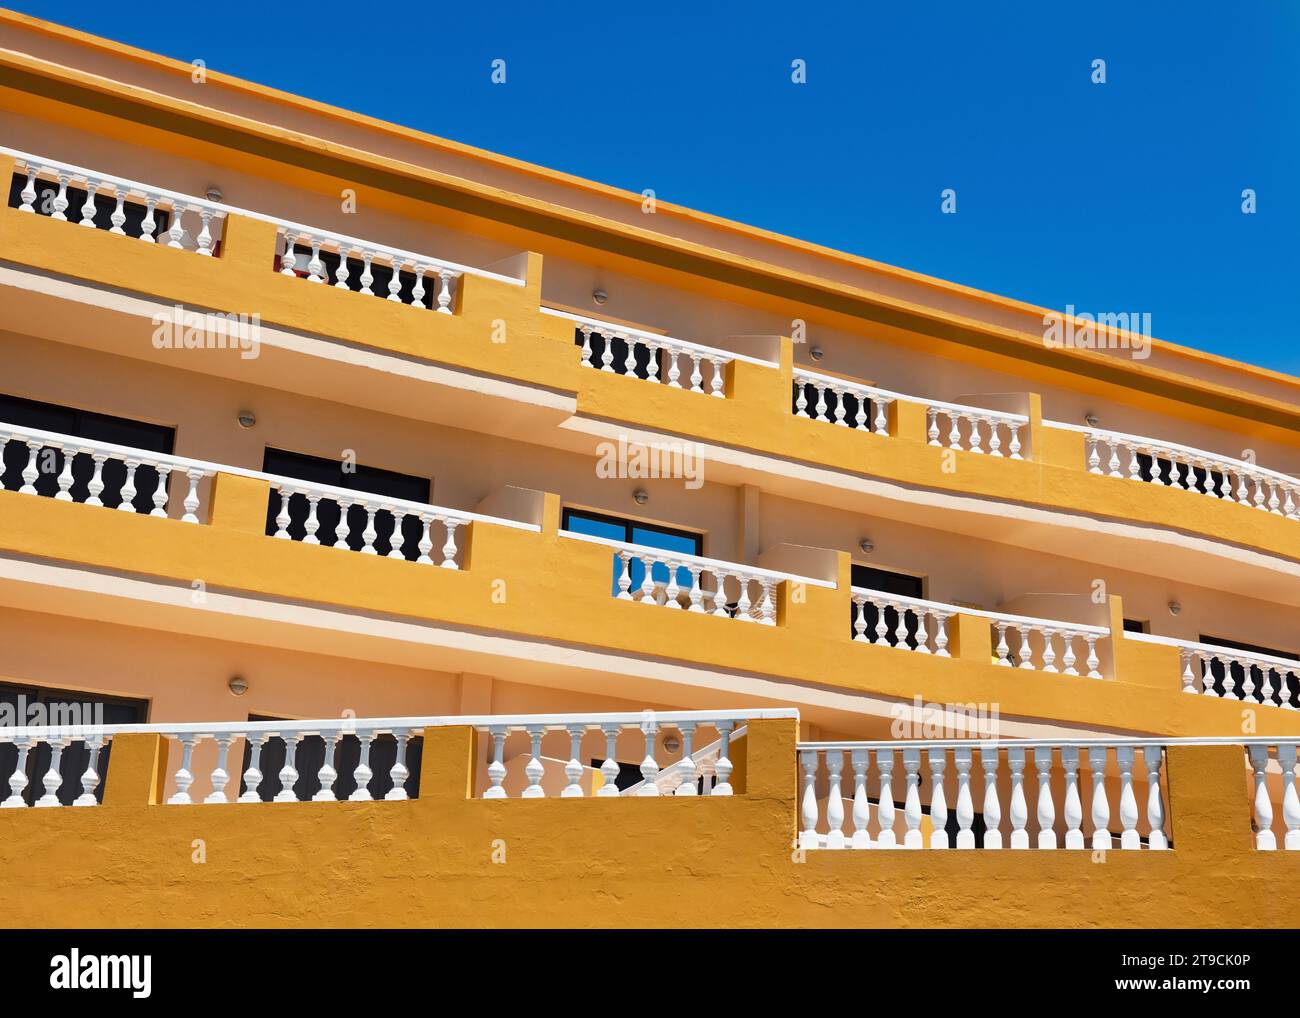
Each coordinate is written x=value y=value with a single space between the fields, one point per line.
x=1112 y=197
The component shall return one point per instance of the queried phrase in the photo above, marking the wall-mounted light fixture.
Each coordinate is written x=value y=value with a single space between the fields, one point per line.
x=641 y=496
x=1175 y=607
x=246 y=419
x=599 y=296
x=867 y=546
x=237 y=686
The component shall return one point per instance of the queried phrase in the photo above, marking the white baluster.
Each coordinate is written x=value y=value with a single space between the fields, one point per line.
x=573 y=769
x=649 y=765
x=609 y=770
x=253 y=776
x=625 y=576
x=18 y=779
x=65 y=476
x=686 y=765
x=696 y=377
x=834 y=800
x=289 y=772
x=1155 y=801
x=28 y=193
x=1265 y=839
x=160 y=491
x=311 y=524
x=1128 y=813
x=184 y=778
x=95 y=487
x=204 y=239
x=127 y=504
x=932 y=432
x=1046 y=806
x=1101 y=839
x=53 y=779
x=395 y=281
x=220 y=776
x=149 y=224
x=586 y=346
x=90 y=777
x=1002 y=650
x=119 y=213
x=496 y=770
x=808 y=806
x=885 y=809
x=88 y=206
x=444 y=292
x=941 y=634
x=1019 y=807
x=282 y=516
x=191 y=503
x=327 y=775
x=881 y=423
x=912 y=800
x=342 y=273
x=1073 y=809
x=399 y=772
x=177 y=230
x=396 y=539
x=1286 y=757
x=1026 y=651
x=367 y=277
x=362 y=772
x=723 y=765
x=58 y=207
x=425 y=544
x=417 y=288
x=370 y=533
x=961 y=757
x=861 y=806
x=992 y=803
x=938 y=801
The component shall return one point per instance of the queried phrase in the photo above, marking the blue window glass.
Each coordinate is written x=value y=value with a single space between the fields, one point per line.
x=615 y=528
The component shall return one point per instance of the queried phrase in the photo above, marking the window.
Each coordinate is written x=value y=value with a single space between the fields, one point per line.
x=1266 y=683
x=641 y=355
x=82 y=424
x=34 y=705
x=370 y=480
x=886 y=582
x=105 y=206
x=615 y=528
x=310 y=758
x=381 y=275
x=629 y=774
x=1136 y=626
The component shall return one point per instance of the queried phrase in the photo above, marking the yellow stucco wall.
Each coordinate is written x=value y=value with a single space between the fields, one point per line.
x=446 y=860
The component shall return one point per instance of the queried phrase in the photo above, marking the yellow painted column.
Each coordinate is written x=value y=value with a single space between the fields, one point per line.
x=447 y=764
x=239 y=503
x=137 y=770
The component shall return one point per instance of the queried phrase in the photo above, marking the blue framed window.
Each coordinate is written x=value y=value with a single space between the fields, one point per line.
x=615 y=528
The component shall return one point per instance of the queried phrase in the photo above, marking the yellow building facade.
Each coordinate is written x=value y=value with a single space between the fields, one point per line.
x=358 y=485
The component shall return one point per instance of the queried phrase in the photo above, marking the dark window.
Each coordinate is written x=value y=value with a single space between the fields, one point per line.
x=853 y=406
x=62 y=708
x=310 y=757
x=886 y=582
x=1135 y=626
x=1268 y=682
x=616 y=528
x=369 y=480
x=82 y=424
x=105 y=205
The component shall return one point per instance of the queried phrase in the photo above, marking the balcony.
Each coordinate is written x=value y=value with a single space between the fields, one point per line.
x=793 y=611
x=773 y=837
x=142 y=238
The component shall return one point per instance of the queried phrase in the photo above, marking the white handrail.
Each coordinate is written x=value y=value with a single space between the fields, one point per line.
x=1288 y=664
x=552 y=722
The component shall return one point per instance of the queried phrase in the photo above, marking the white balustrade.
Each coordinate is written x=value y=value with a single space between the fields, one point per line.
x=315 y=776
x=1169 y=465
x=349 y=264
x=908 y=623
x=662 y=360
x=131 y=209
x=695 y=584
x=1027 y=786
x=72 y=469
x=866 y=408
x=53 y=462
x=838 y=401
x=924 y=627
x=1210 y=670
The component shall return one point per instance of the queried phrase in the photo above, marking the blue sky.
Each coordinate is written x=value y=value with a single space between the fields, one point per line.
x=1123 y=196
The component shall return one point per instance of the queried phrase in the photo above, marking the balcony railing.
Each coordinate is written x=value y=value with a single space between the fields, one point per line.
x=347 y=262
x=1177 y=466
x=849 y=793
x=1020 y=641
x=128 y=196
x=695 y=584
x=75 y=472
x=58 y=787
x=866 y=408
x=619 y=349
x=1233 y=674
